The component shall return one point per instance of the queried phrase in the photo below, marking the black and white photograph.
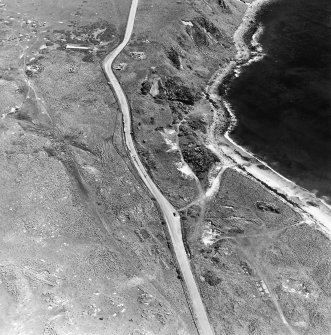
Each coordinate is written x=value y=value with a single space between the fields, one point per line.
x=165 y=167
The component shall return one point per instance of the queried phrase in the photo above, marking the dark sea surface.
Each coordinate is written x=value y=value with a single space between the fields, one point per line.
x=283 y=102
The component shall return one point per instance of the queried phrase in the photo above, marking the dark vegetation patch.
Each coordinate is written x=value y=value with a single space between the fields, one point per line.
x=208 y=26
x=204 y=32
x=267 y=207
x=195 y=123
x=171 y=89
x=174 y=57
x=89 y=58
x=199 y=158
x=23 y=116
x=222 y=88
x=235 y=231
x=147 y=158
x=178 y=110
x=175 y=90
x=194 y=211
x=223 y=5
x=211 y=278
x=145 y=87
x=224 y=229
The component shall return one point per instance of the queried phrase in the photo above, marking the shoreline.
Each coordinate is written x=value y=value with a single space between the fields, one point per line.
x=312 y=209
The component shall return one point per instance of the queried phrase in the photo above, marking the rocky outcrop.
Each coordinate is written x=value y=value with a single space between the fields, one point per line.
x=199 y=158
x=174 y=57
x=267 y=207
x=146 y=87
x=171 y=88
x=176 y=91
x=196 y=123
x=204 y=33
x=211 y=278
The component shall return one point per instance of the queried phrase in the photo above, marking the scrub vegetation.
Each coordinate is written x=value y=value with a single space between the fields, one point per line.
x=83 y=249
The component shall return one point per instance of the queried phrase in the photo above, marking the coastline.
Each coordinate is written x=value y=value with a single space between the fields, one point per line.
x=247 y=29
x=314 y=211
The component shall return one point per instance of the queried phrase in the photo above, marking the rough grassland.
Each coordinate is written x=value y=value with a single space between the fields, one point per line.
x=253 y=257
x=183 y=44
x=83 y=250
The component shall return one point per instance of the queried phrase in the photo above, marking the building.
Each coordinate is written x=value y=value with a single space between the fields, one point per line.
x=77 y=47
x=138 y=54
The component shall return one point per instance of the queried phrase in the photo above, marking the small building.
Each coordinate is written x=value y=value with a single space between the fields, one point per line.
x=120 y=67
x=77 y=47
x=138 y=55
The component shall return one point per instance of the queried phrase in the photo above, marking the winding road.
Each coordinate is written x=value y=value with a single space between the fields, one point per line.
x=170 y=214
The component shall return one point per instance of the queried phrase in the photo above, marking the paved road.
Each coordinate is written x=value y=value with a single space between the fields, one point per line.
x=171 y=216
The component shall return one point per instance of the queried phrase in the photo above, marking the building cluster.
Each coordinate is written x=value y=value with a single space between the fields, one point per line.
x=262 y=288
x=138 y=55
x=120 y=67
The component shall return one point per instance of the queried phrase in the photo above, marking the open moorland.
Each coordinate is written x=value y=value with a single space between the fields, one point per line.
x=260 y=267
x=258 y=263
x=83 y=250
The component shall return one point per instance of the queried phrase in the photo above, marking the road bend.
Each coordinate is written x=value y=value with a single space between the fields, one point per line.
x=170 y=214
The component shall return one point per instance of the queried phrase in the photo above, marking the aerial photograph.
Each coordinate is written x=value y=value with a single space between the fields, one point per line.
x=165 y=167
